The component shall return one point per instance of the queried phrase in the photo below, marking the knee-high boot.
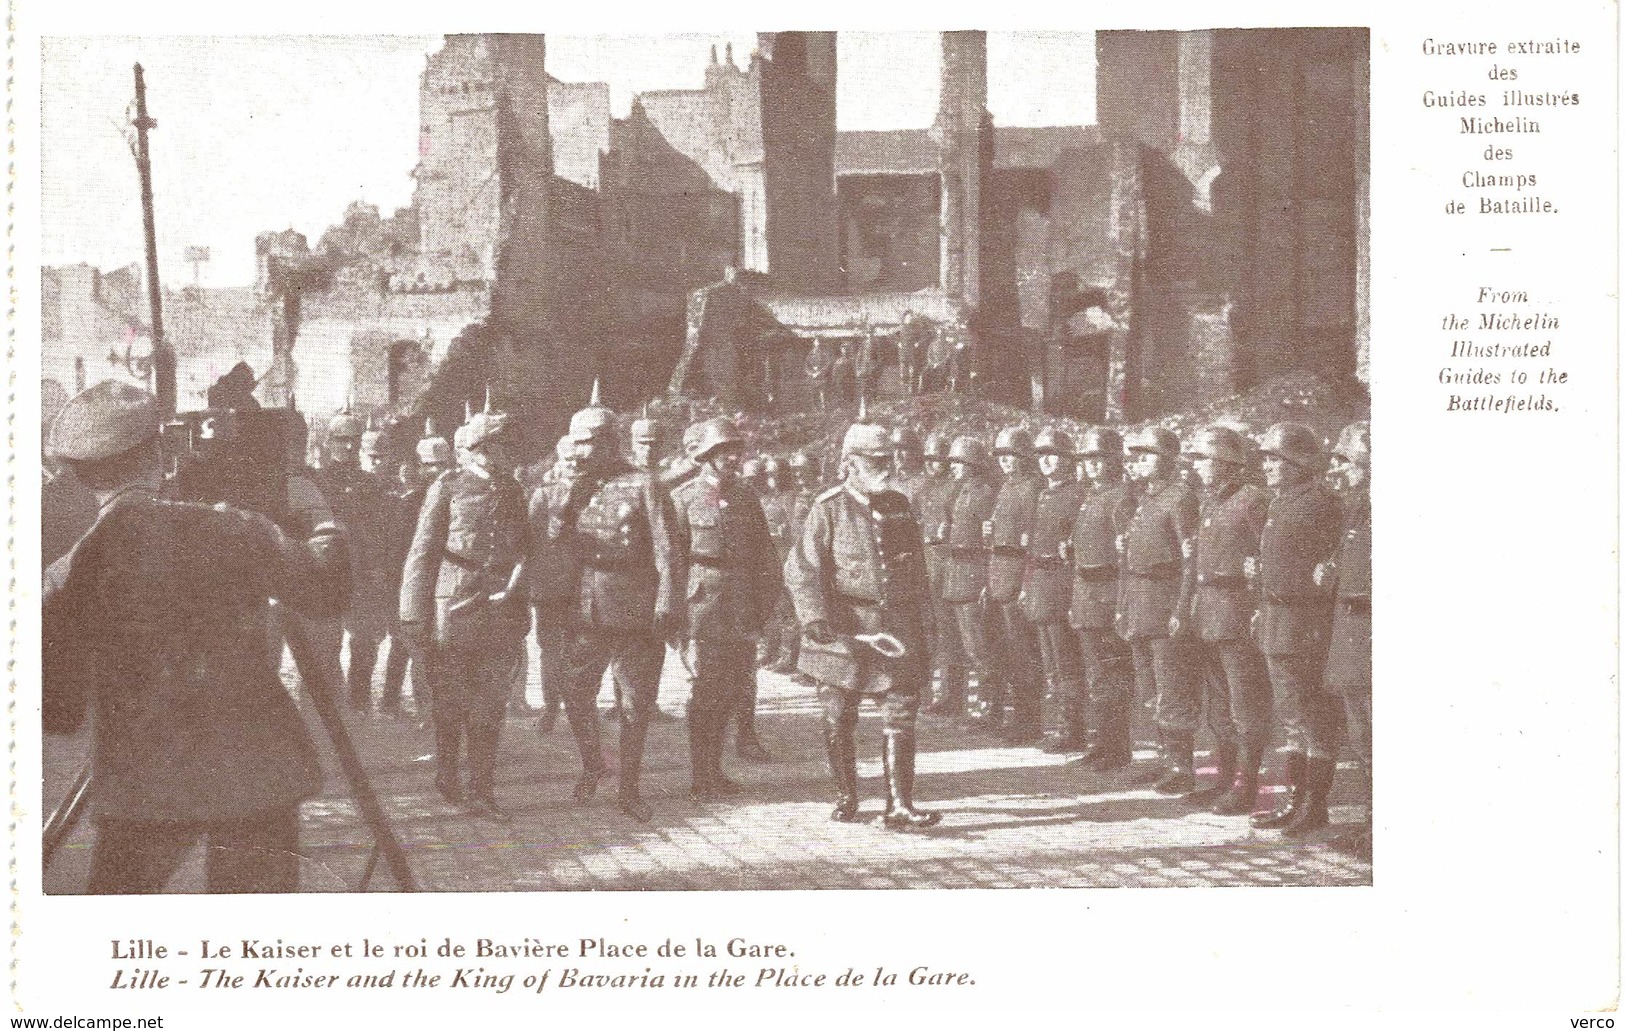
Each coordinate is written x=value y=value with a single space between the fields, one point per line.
x=1297 y=768
x=841 y=751
x=898 y=756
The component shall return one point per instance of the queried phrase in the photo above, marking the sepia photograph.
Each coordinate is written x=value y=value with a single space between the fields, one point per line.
x=774 y=460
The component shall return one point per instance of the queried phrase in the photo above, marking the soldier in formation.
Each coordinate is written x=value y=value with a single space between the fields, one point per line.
x=1301 y=532
x=1348 y=578
x=553 y=576
x=964 y=580
x=1007 y=536
x=1221 y=604
x=933 y=501
x=1046 y=590
x=1105 y=509
x=1158 y=537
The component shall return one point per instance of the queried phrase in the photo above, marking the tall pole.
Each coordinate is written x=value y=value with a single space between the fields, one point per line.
x=163 y=358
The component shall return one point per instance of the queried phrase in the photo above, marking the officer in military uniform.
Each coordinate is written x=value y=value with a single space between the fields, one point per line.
x=1221 y=605
x=779 y=638
x=732 y=584
x=858 y=579
x=933 y=502
x=1155 y=542
x=360 y=503
x=1046 y=589
x=1301 y=532
x=625 y=610
x=462 y=592
x=553 y=579
x=158 y=622
x=964 y=581
x=910 y=465
x=434 y=458
x=1008 y=532
x=1348 y=576
x=1104 y=513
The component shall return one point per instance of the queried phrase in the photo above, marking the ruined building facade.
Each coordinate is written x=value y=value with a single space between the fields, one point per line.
x=1209 y=231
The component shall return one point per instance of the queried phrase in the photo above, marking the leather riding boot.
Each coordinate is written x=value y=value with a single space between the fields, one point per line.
x=634 y=731
x=699 y=760
x=446 y=779
x=482 y=760
x=1297 y=766
x=1225 y=778
x=583 y=717
x=1312 y=814
x=1073 y=734
x=898 y=751
x=1180 y=777
x=746 y=744
x=841 y=751
x=1243 y=792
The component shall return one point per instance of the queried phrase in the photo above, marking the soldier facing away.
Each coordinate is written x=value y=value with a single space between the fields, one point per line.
x=461 y=595
x=158 y=624
x=858 y=579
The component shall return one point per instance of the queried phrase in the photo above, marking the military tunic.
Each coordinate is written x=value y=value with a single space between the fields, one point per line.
x=781 y=633
x=1149 y=587
x=933 y=503
x=1103 y=515
x=619 y=522
x=360 y=503
x=1302 y=530
x=158 y=622
x=1348 y=664
x=1046 y=597
x=733 y=584
x=1220 y=609
x=553 y=580
x=860 y=567
x=470 y=543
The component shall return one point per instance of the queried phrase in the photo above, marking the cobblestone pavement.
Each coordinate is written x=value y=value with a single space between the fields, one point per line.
x=1012 y=817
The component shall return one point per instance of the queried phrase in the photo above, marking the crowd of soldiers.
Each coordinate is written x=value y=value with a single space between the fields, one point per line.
x=1063 y=585
x=1050 y=583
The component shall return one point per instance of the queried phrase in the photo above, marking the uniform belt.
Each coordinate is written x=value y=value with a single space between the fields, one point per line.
x=461 y=561
x=862 y=603
x=934 y=542
x=711 y=563
x=1221 y=580
x=1353 y=604
x=1155 y=573
x=1097 y=574
x=1047 y=562
x=959 y=552
x=1007 y=551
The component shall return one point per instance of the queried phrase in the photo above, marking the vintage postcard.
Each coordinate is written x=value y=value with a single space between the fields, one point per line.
x=916 y=474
